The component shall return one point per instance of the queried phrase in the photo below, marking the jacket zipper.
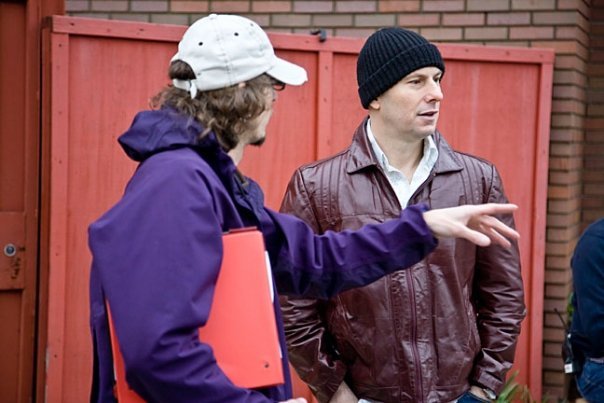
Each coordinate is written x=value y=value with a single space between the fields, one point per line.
x=419 y=393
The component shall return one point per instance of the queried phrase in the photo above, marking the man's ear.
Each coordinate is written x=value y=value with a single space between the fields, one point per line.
x=375 y=104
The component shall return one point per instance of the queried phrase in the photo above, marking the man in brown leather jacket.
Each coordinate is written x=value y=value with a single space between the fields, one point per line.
x=444 y=330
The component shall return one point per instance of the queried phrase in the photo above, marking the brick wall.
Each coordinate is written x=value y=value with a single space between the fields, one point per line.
x=593 y=173
x=575 y=195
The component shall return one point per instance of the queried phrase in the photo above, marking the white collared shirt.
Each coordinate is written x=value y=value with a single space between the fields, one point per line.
x=404 y=188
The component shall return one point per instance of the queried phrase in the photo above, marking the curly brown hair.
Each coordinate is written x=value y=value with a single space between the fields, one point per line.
x=229 y=112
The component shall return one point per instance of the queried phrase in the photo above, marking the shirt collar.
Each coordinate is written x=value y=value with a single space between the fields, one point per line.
x=429 y=157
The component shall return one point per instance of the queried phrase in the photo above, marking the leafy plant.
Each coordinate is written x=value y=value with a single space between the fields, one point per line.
x=515 y=392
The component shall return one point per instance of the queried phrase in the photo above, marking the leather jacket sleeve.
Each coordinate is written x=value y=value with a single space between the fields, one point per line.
x=499 y=301
x=309 y=348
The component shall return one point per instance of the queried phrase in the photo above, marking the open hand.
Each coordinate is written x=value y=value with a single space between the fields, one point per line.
x=473 y=222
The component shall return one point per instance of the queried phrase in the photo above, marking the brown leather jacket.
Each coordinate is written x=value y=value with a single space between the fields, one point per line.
x=418 y=335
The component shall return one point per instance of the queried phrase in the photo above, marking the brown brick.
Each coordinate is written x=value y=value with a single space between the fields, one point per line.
x=569 y=92
x=594 y=96
x=594 y=123
x=553 y=363
x=568 y=106
x=355 y=6
x=531 y=33
x=572 y=33
x=563 y=192
x=442 y=34
x=418 y=20
x=595 y=85
x=509 y=19
x=593 y=202
x=189 y=6
x=291 y=20
x=570 y=77
x=565 y=163
x=374 y=20
x=313 y=6
x=555 y=18
x=593 y=176
x=561 y=235
x=550 y=334
x=552 y=349
x=562 y=248
x=595 y=69
x=230 y=6
x=354 y=32
x=595 y=109
x=443 y=5
x=108 y=5
x=570 y=62
x=552 y=378
x=564 y=178
x=149 y=6
x=393 y=6
x=556 y=262
x=332 y=20
x=594 y=189
x=533 y=4
x=139 y=17
x=491 y=5
x=574 y=5
x=463 y=19
x=563 y=221
x=271 y=6
x=517 y=44
x=570 y=47
x=552 y=319
x=77 y=5
x=486 y=33
x=549 y=304
x=561 y=207
x=591 y=216
x=565 y=149
x=591 y=164
x=170 y=18
x=566 y=134
x=559 y=276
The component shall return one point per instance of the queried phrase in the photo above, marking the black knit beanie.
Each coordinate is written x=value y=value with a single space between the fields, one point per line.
x=388 y=56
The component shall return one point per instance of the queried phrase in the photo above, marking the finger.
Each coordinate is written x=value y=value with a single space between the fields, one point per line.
x=499 y=239
x=496 y=208
x=474 y=236
x=501 y=228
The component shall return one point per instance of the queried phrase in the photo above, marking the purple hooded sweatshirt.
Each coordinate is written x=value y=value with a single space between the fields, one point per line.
x=157 y=252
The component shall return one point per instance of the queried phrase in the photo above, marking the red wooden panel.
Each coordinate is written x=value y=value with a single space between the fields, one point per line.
x=100 y=73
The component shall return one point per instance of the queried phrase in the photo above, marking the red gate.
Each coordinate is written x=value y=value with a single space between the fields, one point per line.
x=98 y=74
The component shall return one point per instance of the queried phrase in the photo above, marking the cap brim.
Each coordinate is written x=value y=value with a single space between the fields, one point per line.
x=288 y=73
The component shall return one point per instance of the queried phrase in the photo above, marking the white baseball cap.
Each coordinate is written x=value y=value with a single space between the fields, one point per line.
x=224 y=50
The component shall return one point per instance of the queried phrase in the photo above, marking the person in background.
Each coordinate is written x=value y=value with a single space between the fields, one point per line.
x=446 y=329
x=587 y=326
x=157 y=252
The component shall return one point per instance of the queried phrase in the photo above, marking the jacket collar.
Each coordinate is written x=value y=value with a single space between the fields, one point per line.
x=362 y=157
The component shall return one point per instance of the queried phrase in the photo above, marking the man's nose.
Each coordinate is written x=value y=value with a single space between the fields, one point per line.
x=435 y=92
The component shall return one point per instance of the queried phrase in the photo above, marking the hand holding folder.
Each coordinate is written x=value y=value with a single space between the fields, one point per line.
x=241 y=328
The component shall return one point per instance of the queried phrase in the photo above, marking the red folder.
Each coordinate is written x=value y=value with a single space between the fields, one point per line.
x=241 y=327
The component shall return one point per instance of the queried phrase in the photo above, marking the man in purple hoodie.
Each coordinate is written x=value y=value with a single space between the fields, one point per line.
x=157 y=252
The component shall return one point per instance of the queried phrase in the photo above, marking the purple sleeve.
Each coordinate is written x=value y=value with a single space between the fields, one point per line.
x=320 y=266
x=158 y=253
